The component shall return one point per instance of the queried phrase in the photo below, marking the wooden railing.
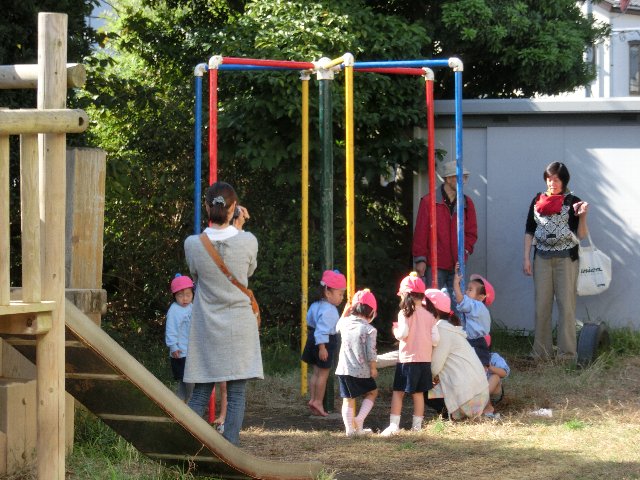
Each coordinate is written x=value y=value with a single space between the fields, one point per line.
x=40 y=310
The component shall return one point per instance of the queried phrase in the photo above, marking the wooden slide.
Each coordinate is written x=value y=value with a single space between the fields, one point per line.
x=113 y=385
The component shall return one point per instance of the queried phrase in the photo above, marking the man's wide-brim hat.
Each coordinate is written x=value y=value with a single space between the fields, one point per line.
x=449 y=169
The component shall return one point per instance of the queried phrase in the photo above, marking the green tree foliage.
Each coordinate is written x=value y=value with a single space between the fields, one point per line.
x=140 y=96
x=510 y=48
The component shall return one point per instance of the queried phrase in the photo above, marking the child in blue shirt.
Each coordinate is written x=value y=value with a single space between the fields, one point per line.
x=322 y=342
x=474 y=314
x=177 y=331
x=497 y=371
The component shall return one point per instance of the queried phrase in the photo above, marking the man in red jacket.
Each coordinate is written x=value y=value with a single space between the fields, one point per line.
x=447 y=225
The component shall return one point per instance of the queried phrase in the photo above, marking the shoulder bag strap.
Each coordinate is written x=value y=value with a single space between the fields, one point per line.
x=211 y=250
x=215 y=256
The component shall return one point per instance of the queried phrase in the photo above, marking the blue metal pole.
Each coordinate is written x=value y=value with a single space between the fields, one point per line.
x=459 y=173
x=403 y=63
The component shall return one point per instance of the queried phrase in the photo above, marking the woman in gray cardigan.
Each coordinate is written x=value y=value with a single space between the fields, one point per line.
x=224 y=345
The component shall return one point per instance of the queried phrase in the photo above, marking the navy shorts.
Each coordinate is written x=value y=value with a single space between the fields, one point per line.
x=311 y=351
x=482 y=350
x=177 y=367
x=413 y=377
x=353 y=387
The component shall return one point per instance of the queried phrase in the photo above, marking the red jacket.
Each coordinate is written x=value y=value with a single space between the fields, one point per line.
x=447 y=225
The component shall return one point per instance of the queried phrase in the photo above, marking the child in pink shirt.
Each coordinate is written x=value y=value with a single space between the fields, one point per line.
x=417 y=334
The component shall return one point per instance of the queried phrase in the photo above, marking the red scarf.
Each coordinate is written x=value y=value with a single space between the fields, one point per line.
x=549 y=204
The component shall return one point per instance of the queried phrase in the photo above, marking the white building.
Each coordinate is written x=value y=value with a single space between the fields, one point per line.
x=507 y=144
x=617 y=58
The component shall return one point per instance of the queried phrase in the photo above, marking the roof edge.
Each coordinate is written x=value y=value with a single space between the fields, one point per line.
x=514 y=106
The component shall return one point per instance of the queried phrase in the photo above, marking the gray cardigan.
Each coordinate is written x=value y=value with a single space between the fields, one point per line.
x=223 y=340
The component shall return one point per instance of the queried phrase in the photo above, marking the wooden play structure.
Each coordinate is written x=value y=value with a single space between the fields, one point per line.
x=51 y=340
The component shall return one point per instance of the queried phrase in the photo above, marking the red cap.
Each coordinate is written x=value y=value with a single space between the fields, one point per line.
x=333 y=279
x=439 y=299
x=180 y=282
x=488 y=288
x=412 y=283
x=366 y=298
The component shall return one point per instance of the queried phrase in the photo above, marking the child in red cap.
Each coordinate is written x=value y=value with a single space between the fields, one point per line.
x=321 y=345
x=474 y=314
x=356 y=368
x=417 y=334
x=177 y=331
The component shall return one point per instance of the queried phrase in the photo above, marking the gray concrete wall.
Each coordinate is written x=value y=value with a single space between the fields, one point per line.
x=507 y=153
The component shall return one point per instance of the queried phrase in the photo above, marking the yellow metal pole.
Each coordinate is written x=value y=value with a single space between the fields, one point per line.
x=304 y=234
x=350 y=195
x=338 y=61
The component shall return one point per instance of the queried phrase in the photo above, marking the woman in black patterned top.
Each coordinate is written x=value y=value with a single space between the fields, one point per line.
x=556 y=220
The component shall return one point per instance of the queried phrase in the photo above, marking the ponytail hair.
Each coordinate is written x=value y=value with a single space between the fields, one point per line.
x=407 y=303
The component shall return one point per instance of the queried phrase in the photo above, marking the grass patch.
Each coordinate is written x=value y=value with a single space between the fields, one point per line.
x=407 y=446
x=575 y=424
x=625 y=341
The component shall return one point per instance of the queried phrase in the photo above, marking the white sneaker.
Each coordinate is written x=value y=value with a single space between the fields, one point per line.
x=417 y=428
x=390 y=430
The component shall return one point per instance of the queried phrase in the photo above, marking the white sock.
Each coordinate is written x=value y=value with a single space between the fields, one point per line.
x=394 y=420
x=365 y=408
x=417 y=423
x=347 y=417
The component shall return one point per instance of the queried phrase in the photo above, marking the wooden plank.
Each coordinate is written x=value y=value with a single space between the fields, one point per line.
x=26 y=324
x=4 y=221
x=52 y=83
x=30 y=422
x=86 y=173
x=150 y=437
x=18 y=307
x=26 y=76
x=3 y=452
x=88 y=300
x=124 y=397
x=70 y=421
x=54 y=120
x=12 y=421
x=14 y=364
x=30 y=213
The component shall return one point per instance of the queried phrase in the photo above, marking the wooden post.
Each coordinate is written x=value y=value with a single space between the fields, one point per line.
x=86 y=172
x=30 y=212
x=52 y=83
x=4 y=221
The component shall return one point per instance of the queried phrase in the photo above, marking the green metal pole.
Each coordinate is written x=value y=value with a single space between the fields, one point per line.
x=326 y=182
x=326 y=185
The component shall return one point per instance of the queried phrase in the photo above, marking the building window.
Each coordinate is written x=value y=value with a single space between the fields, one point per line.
x=634 y=68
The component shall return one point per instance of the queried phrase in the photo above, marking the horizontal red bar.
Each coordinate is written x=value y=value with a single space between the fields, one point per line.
x=268 y=63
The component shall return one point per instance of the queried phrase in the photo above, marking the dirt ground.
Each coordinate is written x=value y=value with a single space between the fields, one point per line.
x=593 y=432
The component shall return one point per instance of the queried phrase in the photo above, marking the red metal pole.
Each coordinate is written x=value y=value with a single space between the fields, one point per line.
x=213 y=126
x=431 y=158
x=268 y=63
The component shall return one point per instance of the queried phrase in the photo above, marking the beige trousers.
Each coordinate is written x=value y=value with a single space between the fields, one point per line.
x=555 y=278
